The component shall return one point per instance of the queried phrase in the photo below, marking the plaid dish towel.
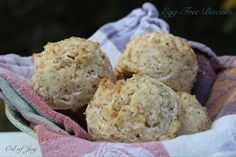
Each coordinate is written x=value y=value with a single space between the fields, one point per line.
x=58 y=135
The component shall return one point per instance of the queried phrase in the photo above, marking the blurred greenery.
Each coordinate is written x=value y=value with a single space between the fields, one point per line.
x=27 y=25
x=5 y=125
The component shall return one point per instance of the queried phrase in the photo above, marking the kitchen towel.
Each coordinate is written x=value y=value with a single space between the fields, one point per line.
x=59 y=135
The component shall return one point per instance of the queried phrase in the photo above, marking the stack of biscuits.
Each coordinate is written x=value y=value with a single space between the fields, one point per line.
x=146 y=98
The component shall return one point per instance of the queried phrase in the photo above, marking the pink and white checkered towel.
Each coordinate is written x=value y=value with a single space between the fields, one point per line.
x=58 y=135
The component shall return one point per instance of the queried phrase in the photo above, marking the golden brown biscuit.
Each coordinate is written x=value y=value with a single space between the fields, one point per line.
x=134 y=110
x=194 y=116
x=68 y=72
x=161 y=56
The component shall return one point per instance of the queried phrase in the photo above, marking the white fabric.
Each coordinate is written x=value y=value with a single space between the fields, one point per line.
x=219 y=141
x=113 y=37
x=107 y=47
x=18 y=144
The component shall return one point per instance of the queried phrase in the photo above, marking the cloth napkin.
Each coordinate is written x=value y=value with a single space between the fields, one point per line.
x=59 y=135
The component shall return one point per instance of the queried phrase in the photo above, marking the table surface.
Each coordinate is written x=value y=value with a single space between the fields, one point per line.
x=18 y=144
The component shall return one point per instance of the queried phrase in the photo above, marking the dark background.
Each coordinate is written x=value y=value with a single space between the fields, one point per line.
x=27 y=25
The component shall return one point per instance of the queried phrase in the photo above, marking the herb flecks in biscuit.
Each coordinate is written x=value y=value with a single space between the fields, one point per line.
x=194 y=116
x=163 y=57
x=68 y=72
x=134 y=110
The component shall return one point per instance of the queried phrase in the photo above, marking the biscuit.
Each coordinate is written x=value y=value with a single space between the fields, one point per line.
x=68 y=72
x=138 y=109
x=194 y=116
x=161 y=56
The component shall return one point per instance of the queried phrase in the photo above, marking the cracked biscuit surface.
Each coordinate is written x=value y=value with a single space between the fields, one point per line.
x=194 y=116
x=138 y=109
x=162 y=56
x=68 y=72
